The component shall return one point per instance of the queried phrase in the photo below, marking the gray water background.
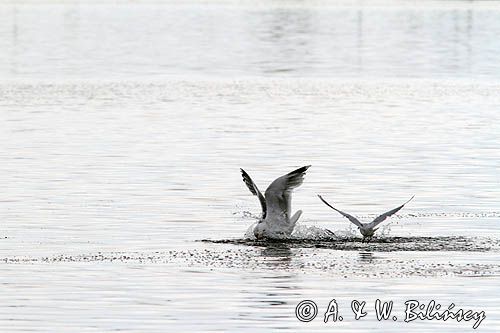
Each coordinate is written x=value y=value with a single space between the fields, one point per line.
x=124 y=125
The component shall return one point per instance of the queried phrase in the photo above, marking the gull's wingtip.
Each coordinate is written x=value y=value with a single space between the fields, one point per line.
x=246 y=176
x=324 y=201
x=302 y=169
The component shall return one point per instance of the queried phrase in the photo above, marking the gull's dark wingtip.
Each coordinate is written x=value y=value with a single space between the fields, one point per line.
x=300 y=170
x=413 y=196
x=324 y=201
x=246 y=177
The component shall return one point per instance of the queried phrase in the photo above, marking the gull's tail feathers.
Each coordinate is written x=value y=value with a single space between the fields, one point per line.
x=295 y=217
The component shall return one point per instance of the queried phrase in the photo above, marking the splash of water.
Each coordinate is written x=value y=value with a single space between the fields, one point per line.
x=246 y=215
x=300 y=232
x=311 y=232
x=384 y=230
x=346 y=233
x=249 y=233
x=485 y=214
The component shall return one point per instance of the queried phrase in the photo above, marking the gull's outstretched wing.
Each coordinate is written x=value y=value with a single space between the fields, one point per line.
x=381 y=218
x=350 y=217
x=255 y=191
x=279 y=193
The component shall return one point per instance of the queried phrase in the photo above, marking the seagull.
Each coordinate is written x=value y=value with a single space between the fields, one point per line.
x=367 y=229
x=276 y=204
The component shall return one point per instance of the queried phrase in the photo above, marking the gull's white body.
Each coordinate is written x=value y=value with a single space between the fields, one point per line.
x=276 y=227
x=367 y=229
x=276 y=221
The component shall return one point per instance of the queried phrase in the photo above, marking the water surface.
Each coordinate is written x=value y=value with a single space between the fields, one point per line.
x=123 y=128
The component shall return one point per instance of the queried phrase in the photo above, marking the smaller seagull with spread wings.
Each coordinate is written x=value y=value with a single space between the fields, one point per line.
x=276 y=203
x=367 y=229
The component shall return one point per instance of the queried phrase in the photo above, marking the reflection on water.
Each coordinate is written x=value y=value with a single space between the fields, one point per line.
x=282 y=40
x=277 y=255
x=366 y=257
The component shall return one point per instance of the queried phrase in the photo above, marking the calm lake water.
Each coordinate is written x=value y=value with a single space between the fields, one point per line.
x=124 y=125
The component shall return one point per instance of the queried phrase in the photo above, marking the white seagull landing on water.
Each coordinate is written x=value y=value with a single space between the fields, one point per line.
x=276 y=203
x=367 y=229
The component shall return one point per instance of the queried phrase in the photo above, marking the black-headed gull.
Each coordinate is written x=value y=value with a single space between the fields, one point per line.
x=367 y=229
x=276 y=202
